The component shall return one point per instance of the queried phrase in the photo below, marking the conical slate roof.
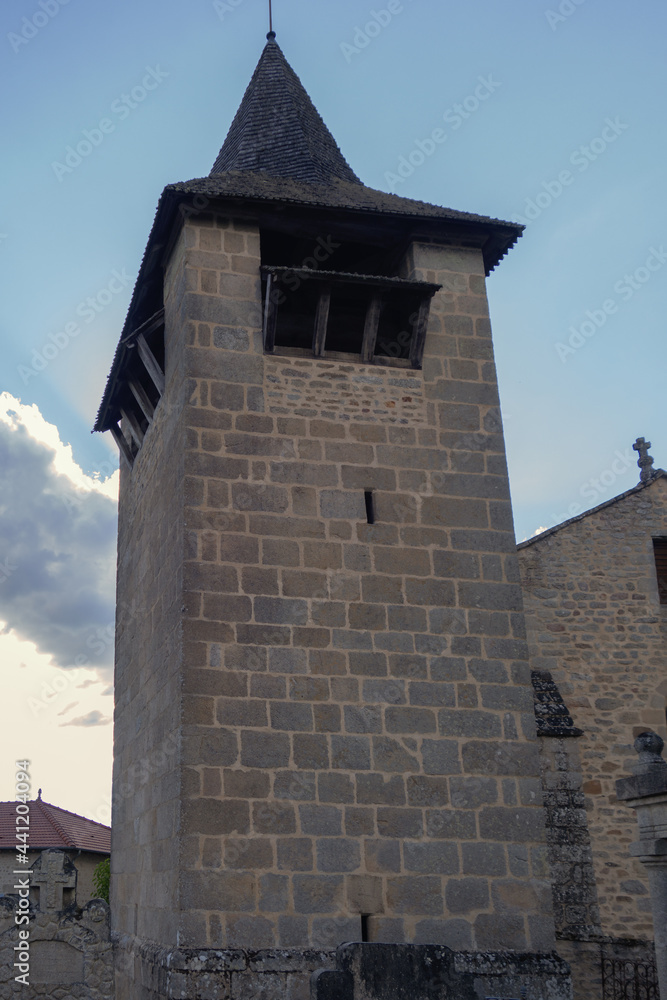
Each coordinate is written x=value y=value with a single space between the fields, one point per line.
x=277 y=129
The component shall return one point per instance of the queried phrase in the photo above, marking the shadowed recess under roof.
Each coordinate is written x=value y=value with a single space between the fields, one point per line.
x=278 y=130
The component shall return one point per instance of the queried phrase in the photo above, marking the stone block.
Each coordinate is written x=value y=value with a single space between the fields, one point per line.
x=464 y=722
x=466 y=894
x=492 y=932
x=431 y=859
x=265 y=750
x=410 y=666
x=280 y=611
x=517 y=824
x=350 y=753
x=348 y=504
x=295 y=854
x=359 y=821
x=273 y=817
x=288 y=661
x=273 y=893
x=318 y=893
x=338 y=854
x=333 y=787
x=382 y=855
x=367 y=616
x=398 y=823
x=483 y=859
x=207 y=890
x=327 y=718
x=291 y=716
x=441 y=757
x=416 y=894
x=246 y=784
x=471 y=792
x=410 y=720
x=376 y=789
x=445 y=824
x=454 y=933
x=292 y=932
x=501 y=758
x=321 y=820
x=297 y=785
x=249 y=853
x=382 y=590
x=427 y=791
x=390 y=755
x=250 y=932
x=310 y=751
x=362 y=718
x=241 y=712
x=213 y=816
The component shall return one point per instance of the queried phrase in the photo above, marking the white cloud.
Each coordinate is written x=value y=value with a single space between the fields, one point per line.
x=57 y=542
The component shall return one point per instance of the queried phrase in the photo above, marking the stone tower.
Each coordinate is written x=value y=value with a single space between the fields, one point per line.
x=324 y=719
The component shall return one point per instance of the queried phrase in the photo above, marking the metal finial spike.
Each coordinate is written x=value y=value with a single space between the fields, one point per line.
x=271 y=35
x=39 y=793
x=644 y=461
x=271 y=31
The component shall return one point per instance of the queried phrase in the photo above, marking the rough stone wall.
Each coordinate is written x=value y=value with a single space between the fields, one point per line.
x=594 y=621
x=146 y=782
x=576 y=913
x=358 y=724
x=85 y=861
x=70 y=953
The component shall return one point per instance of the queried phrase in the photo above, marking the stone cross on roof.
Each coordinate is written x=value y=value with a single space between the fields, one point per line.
x=52 y=872
x=644 y=461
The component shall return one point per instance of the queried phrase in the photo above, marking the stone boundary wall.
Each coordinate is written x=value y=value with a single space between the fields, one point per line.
x=71 y=955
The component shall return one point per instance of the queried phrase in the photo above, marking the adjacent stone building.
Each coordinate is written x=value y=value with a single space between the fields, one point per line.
x=321 y=656
x=84 y=841
x=595 y=597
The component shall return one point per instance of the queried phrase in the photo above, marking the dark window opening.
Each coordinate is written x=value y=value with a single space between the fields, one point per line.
x=399 y=314
x=370 y=506
x=660 y=556
x=367 y=318
x=347 y=318
x=331 y=252
x=295 y=321
x=364 y=927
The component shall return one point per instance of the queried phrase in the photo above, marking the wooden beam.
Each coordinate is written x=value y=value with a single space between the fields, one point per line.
x=270 y=314
x=419 y=334
x=321 y=320
x=371 y=328
x=150 y=363
x=130 y=419
x=146 y=328
x=143 y=399
x=123 y=446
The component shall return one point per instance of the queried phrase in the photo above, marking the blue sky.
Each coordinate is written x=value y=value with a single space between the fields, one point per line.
x=570 y=132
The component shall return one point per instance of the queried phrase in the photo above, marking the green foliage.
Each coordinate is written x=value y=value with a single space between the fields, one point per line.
x=101 y=877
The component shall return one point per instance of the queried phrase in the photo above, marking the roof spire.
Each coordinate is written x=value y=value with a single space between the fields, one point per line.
x=644 y=461
x=277 y=129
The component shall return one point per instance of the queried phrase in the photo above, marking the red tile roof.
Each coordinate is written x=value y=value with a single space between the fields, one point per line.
x=53 y=827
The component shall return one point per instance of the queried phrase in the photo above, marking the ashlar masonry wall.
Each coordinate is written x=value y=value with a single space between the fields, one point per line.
x=358 y=732
x=595 y=622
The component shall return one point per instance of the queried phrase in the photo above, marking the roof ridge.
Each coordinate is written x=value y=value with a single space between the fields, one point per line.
x=54 y=822
x=69 y=812
x=655 y=475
